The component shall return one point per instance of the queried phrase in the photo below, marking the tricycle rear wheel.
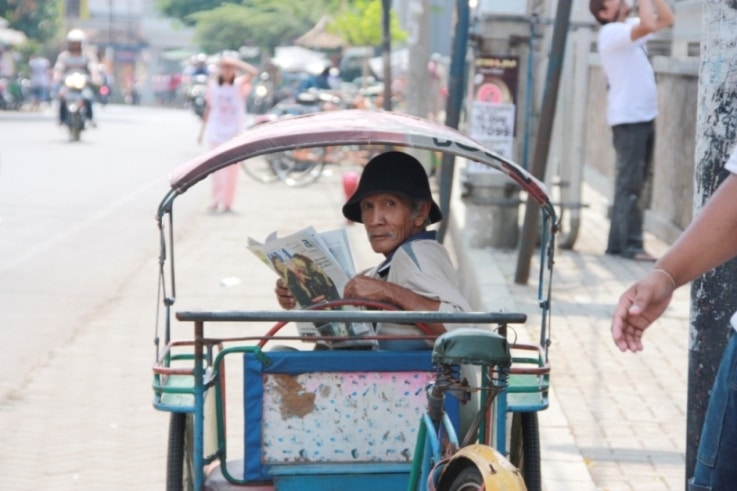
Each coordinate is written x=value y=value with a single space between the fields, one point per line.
x=180 y=459
x=524 y=450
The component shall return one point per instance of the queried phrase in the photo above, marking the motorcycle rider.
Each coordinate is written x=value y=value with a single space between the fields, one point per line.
x=196 y=76
x=75 y=59
x=200 y=65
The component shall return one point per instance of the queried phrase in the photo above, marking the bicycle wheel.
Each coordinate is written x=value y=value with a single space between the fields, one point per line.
x=469 y=479
x=180 y=459
x=524 y=448
x=300 y=167
x=261 y=168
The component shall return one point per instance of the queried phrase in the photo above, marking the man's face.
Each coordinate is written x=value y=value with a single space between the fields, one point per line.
x=613 y=10
x=389 y=220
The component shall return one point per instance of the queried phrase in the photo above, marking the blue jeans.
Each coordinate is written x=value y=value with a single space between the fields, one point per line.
x=634 y=144
x=716 y=461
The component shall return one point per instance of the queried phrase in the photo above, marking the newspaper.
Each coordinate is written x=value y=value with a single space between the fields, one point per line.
x=316 y=267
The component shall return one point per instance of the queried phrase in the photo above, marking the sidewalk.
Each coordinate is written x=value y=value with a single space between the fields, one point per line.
x=84 y=420
x=616 y=421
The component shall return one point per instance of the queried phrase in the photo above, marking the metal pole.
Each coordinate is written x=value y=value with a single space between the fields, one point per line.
x=109 y=49
x=542 y=145
x=386 y=48
x=456 y=89
x=529 y=91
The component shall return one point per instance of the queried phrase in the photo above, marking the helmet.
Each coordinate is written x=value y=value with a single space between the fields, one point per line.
x=76 y=36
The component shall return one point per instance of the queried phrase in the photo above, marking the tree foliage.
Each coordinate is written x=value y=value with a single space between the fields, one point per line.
x=360 y=24
x=221 y=24
x=183 y=9
x=262 y=23
x=39 y=20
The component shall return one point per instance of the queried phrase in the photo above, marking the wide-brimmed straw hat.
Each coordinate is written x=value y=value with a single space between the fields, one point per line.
x=392 y=172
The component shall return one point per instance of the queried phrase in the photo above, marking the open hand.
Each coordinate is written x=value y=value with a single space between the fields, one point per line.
x=639 y=306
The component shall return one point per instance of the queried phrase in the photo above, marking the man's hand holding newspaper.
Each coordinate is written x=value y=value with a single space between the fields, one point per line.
x=315 y=268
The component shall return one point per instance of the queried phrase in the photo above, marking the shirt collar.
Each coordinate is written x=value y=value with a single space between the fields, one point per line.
x=383 y=269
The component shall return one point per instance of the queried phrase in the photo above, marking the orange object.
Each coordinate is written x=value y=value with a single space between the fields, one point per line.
x=350 y=183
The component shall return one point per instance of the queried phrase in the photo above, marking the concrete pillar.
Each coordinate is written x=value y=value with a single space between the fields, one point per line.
x=492 y=204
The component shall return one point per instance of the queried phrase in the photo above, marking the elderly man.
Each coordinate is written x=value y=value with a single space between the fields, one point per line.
x=395 y=205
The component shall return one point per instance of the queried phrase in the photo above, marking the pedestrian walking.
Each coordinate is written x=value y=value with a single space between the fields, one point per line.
x=710 y=240
x=40 y=79
x=225 y=118
x=632 y=106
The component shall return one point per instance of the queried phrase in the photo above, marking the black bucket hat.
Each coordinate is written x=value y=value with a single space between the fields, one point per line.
x=392 y=172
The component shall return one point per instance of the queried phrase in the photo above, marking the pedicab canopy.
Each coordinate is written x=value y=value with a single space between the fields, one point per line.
x=350 y=127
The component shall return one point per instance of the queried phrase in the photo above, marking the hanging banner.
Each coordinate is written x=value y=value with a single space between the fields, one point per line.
x=494 y=104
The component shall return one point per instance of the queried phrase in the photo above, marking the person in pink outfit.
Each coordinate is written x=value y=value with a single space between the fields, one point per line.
x=223 y=119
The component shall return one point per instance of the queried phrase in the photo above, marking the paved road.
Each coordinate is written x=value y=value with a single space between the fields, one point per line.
x=75 y=219
x=77 y=296
x=78 y=284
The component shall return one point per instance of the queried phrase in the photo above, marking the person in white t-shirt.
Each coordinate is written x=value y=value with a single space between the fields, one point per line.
x=709 y=241
x=225 y=118
x=632 y=106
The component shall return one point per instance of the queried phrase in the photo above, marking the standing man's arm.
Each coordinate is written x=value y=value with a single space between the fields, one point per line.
x=654 y=16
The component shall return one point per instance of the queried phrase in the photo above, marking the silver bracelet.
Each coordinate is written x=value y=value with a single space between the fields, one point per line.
x=670 y=277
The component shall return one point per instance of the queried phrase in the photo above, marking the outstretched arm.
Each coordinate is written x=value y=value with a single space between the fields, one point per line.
x=249 y=72
x=709 y=241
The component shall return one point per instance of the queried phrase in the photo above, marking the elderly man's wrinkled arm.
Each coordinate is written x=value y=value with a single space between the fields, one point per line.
x=382 y=291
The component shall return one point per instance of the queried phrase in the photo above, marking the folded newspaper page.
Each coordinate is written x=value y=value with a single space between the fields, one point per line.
x=316 y=267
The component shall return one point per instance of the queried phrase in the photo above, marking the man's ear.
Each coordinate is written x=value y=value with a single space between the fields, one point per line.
x=423 y=214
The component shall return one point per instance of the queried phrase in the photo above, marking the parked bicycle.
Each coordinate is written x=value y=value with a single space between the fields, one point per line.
x=302 y=166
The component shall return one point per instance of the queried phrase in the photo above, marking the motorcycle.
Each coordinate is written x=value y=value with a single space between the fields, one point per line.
x=76 y=94
x=132 y=95
x=262 y=97
x=197 y=92
x=13 y=93
x=6 y=100
x=103 y=91
x=103 y=94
